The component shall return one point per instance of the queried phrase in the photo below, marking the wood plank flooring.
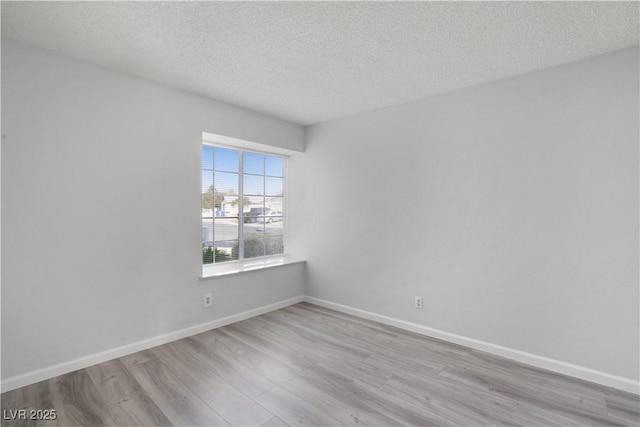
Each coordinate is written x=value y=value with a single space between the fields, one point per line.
x=306 y=365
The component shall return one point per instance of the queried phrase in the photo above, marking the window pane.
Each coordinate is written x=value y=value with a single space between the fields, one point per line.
x=224 y=251
x=253 y=229
x=253 y=246
x=207 y=254
x=253 y=185
x=274 y=166
x=207 y=180
x=207 y=157
x=226 y=159
x=227 y=183
x=225 y=229
x=229 y=208
x=253 y=163
x=207 y=194
x=253 y=208
x=274 y=204
x=274 y=245
x=221 y=252
x=207 y=213
x=273 y=225
x=273 y=186
x=207 y=231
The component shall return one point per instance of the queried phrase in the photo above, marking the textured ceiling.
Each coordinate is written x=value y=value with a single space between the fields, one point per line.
x=308 y=62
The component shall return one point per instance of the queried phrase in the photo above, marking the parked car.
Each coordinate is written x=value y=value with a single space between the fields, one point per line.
x=271 y=216
x=253 y=214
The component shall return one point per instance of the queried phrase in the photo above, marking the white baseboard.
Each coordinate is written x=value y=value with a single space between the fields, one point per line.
x=558 y=366
x=86 y=361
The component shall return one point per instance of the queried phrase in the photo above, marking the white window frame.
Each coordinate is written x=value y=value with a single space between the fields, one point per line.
x=250 y=264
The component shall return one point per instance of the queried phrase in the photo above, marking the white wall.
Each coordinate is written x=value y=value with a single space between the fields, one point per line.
x=511 y=207
x=100 y=210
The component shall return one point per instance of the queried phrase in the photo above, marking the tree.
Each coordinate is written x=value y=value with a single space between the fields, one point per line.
x=212 y=199
x=245 y=202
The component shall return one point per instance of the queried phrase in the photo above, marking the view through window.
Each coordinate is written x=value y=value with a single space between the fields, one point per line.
x=242 y=204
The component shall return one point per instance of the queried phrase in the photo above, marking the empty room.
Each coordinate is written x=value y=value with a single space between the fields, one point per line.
x=320 y=213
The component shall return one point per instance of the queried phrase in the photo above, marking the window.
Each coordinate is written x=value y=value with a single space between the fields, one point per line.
x=242 y=204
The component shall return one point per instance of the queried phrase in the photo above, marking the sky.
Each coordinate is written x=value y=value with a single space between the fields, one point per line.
x=263 y=174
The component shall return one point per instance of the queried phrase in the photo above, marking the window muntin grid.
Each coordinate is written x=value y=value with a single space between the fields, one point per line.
x=242 y=204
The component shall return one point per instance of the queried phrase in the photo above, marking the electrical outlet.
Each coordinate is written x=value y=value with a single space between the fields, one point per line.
x=208 y=300
x=418 y=303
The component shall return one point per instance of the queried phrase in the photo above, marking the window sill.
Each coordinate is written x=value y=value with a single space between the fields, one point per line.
x=237 y=267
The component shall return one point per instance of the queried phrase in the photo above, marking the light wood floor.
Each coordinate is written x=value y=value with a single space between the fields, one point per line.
x=306 y=365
